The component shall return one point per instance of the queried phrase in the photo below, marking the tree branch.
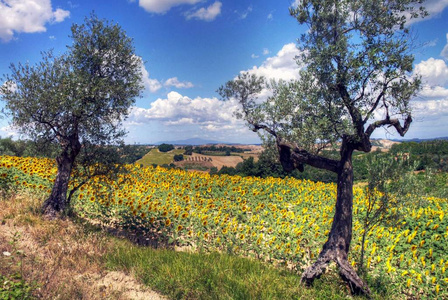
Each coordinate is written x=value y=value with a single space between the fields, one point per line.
x=294 y=157
x=391 y=122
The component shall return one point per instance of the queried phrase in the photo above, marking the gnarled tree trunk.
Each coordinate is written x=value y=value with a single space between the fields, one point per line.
x=57 y=202
x=337 y=246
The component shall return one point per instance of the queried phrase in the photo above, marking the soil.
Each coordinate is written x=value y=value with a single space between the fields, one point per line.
x=53 y=264
x=209 y=161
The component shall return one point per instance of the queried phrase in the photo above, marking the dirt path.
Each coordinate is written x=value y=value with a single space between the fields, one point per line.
x=64 y=259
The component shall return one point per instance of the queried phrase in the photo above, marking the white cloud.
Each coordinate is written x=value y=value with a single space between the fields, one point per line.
x=27 y=16
x=281 y=66
x=59 y=15
x=266 y=51
x=444 y=52
x=433 y=92
x=245 y=13
x=182 y=121
x=209 y=114
x=433 y=72
x=162 y=6
x=432 y=109
x=270 y=17
x=255 y=56
x=151 y=85
x=178 y=84
x=206 y=14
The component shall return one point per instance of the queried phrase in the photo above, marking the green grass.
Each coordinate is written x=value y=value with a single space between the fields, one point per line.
x=159 y=158
x=183 y=275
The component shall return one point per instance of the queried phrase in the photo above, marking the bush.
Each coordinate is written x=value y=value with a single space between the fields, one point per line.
x=165 y=147
x=178 y=157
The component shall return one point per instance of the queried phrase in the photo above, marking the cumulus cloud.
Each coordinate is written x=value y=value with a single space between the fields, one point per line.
x=281 y=66
x=178 y=84
x=177 y=107
x=27 y=16
x=444 y=52
x=208 y=115
x=206 y=14
x=431 y=110
x=60 y=15
x=430 y=107
x=433 y=71
x=151 y=85
x=433 y=92
x=162 y=6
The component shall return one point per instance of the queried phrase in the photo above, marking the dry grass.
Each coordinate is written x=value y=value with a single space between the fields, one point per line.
x=61 y=259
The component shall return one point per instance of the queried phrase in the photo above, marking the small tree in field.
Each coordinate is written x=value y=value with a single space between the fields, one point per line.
x=355 y=77
x=77 y=100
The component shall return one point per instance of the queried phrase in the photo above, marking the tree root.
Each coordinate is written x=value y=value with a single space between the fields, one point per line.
x=347 y=273
x=314 y=271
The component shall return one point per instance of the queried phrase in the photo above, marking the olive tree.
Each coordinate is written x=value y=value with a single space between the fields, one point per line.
x=355 y=77
x=77 y=100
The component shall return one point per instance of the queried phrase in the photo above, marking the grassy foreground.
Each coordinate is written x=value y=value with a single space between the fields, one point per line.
x=71 y=259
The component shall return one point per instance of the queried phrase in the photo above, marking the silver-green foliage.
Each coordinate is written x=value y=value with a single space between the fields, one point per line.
x=86 y=92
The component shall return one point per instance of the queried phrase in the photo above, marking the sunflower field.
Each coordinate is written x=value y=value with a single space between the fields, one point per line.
x=280 y=221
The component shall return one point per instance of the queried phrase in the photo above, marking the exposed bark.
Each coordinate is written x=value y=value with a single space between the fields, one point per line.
x=57 y=203
x=338 y=244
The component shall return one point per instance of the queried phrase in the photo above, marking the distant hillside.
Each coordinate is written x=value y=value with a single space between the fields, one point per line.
x=192 y=142
x=423 y=140
x=383 y=143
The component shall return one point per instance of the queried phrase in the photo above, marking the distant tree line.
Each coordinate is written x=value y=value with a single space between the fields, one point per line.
x=267 y=167
x=428 y=154
x=26 y=148
x=420 y=156
x=225 y=149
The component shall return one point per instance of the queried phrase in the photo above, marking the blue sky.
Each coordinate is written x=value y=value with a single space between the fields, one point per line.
x=191 y=47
